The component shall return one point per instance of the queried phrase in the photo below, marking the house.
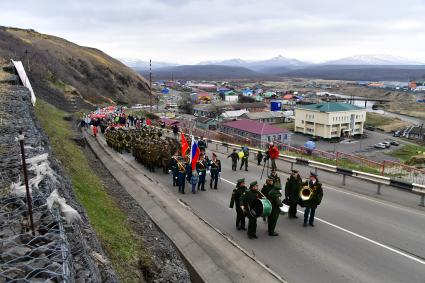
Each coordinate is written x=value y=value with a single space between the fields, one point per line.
x=206 y=110
x=330 y=119
x=251 y=107
x=255 y=131
x=206 y=123
x=232 y=114
x=271 y=117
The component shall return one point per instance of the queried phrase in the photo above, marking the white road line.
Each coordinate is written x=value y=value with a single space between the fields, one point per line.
x=418 y=260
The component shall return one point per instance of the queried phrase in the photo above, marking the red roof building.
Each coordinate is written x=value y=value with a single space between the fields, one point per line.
x=256 y=130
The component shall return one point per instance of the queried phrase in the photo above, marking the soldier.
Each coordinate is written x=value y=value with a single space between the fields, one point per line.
x=202 y=144
x=274 y=196
x=174 y=169
x=235 y=157
x=245 y=158
x=236 y=199
x=246 y=199
x=268 y=186
x=181 y=177
x=314 y=200
x=292 y=192
x=259 y=158
x=201 y=168
x=215 y=168
x=275 y=178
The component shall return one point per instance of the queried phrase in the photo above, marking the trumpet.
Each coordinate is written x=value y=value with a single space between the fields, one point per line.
x=305 y=193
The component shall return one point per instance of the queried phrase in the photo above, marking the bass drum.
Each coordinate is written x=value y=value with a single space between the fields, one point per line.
x=260 y=208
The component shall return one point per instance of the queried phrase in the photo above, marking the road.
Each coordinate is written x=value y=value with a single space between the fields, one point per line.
x=357 y=238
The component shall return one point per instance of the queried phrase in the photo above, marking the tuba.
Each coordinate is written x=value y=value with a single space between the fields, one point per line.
x=305 y=193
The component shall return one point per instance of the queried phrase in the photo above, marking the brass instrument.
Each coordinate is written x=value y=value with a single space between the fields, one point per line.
x=305 y=193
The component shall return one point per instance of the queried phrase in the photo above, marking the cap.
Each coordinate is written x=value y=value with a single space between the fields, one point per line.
x=269 y=179
x=240 y=181
x=313 y=174
x=252 y=184
x=294 y=171
x=273 y=170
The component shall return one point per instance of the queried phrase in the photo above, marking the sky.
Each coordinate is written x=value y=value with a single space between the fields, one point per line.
x=190 y=31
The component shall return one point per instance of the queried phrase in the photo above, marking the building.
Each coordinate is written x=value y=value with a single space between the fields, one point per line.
x=330 y=120
x=232 y=114
x=271 y=117
x=206 y=123
x=206 y=110
x=255 y=131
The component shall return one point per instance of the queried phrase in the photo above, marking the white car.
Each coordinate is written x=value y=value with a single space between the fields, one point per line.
x=386 y=143
x=380 y=145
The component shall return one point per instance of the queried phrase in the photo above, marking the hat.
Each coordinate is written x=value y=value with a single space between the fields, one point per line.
x=313 y=174
x=294 y=171
x=273 y=170
x=252 y=184
x=214 y=154
x=269 y=179
x=241 y=181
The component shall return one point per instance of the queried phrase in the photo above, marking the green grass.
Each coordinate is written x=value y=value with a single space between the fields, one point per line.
x=123 y=247
x=289 y=126
x=376 y=120
x=407 y=151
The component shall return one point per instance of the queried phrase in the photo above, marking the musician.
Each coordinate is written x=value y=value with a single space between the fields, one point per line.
x=236 y=199
x=268 y=186
x=274 y=196
x=235 y=157
x=292 y=192
x=275 y=178
x=314 y=200
x=215 y=168
x=273 y=152
x=244 y=158
x=181 y=176
x=201 y=168
x=174 y=169
x=246 y=199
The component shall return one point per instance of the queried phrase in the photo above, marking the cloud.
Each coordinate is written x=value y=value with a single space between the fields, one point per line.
x=187 y=31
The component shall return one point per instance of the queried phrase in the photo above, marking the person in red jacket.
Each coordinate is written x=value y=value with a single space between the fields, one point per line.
x=273 y=152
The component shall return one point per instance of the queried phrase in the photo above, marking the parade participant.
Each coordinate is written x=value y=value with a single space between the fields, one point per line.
x=175 y=130
x=236 y=200
x=274 y=196
x=273 y=152
x=245 y=158
x=215 y=168
x=314 y=200
x=181 y=177
x=202 y=144
x=292 y=192
x=268 y=186
x=95 y=130
x=259 y=158
x=174 y=169
x=275 y=178
x=194 y=180
x=246 y=199
x=201 y=168
x=235 y=157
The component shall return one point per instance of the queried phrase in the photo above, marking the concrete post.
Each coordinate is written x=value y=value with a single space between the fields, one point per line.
x=378 y=191
x=422 y=201
x=216 y=146
x=227 y=148
x=343 y=180
x=292 y=166
x=315 y=170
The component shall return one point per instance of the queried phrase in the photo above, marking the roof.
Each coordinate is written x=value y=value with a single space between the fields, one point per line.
x=330 y=107
x=233 y=113
x=263 y=115
x=204 y=120
x=238 y=106
x=254 y=127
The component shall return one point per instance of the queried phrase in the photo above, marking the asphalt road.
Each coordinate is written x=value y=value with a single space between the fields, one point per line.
x=357 y=237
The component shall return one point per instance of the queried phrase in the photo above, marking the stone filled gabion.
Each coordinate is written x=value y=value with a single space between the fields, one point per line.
x=58 y=252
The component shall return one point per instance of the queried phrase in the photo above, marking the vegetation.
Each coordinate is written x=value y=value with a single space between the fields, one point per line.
x=408 y=151
x=122 y=246
x=289 y=126
x=376 y=120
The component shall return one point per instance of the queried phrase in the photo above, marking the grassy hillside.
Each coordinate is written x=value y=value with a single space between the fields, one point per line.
x=61 y=71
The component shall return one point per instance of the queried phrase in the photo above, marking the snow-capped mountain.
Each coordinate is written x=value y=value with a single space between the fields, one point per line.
x=230 y=62
x=378 y=59
x=144 y=65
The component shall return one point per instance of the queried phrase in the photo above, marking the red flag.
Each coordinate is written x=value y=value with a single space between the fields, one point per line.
x=185 y=145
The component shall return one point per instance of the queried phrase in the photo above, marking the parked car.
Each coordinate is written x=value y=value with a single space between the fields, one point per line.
x=386 y=143
x=380 y=145
x=394 y=143
x=397 y=133
x=370 y=128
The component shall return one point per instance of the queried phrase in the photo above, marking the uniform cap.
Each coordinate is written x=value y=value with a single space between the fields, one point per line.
x=241 y=180
x=252 y=184
x=294 y=171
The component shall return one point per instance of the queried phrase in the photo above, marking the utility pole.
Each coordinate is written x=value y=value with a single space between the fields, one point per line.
x=150 y=85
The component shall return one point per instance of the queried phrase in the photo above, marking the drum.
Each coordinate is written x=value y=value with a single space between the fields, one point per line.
x=260 y=208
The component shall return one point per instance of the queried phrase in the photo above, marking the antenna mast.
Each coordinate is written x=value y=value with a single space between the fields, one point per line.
x=150 y=85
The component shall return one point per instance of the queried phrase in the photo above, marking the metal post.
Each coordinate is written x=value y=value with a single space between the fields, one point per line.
x=343 y=180
x=150 y=85
x=216 y=146
x=422 y=201
x=24 y=167
x=378 y=191
x=227 y=149
x=315 y=170
x=292 y=166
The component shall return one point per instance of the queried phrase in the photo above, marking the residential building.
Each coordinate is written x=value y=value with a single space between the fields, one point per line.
x=232 y=114
x=206 y=110
x=206 y=123
x=271 y=117
x=330 y=120
x=255 y=131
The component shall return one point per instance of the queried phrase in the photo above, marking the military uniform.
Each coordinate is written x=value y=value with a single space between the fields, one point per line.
x=274 y=196
x=314 y=200
x=215 y=169
x=246 y=199
x=235 y=157
x=245 y=159
x=201 y=168
x=292 y=193
x=174 y=170
x=276 y=179
x=236 y=200
x=181 y=177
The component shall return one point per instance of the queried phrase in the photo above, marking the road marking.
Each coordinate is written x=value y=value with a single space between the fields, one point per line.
x=360 y=236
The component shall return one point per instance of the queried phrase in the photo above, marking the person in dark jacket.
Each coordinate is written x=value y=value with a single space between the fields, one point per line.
x=292 y=192
x=215 y=169
x=236 y=200
x=244 y=161
x=314 y=200
x=247 y=199
x=235 y=157
x=201 y=168
x=274 y=196
x=259 y=158
x=202 y=144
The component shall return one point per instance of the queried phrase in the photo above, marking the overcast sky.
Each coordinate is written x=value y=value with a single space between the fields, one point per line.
x=189 y=31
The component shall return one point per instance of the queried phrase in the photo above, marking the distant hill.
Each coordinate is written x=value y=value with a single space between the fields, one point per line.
x=376 y=60
x=61 y=71
x=203 y=72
